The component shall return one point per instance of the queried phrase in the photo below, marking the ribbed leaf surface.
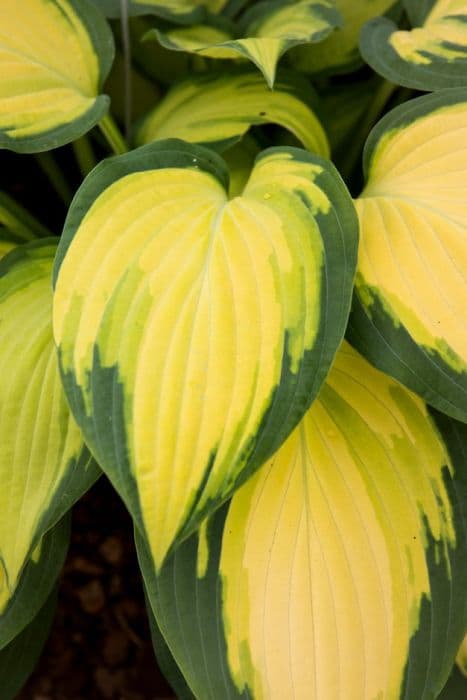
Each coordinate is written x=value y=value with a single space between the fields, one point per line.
x=193 y=331
x=44 y=465
x=410 y=303
x=54 y=57
x=216 y=110
x=339 y=570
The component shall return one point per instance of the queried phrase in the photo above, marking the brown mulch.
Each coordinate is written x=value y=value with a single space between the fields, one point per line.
x=99 y=647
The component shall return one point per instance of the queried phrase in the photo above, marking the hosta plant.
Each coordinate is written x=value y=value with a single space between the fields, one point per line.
x=233 y=242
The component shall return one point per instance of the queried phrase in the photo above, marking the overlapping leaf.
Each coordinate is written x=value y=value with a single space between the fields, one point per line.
x=268 y=29
x=218 y=109
x=339 y=52
x=193 y=331
x=339 y=570
x=54 y=57
x=431 y=56
x=44 y=465
x=409 y=316
x=179 y=11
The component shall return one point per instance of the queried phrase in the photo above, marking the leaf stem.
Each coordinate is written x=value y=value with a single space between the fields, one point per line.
x=55 y=176
x=84 y=155
x=19 y=221
x=112 y=134
x=376 y=107
x=127 y=88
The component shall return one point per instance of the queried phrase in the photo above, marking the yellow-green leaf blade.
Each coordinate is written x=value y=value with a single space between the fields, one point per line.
x=337 y=571
x=410 y=312
x=268 y=30
x=178 y=11
x=54 y=57
x=225 y=326
x=339 y=53
x=43 y=465
x=217 y=110
x=431 y=56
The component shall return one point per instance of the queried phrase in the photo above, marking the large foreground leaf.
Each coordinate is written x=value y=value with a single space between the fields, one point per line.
x=193 y=331
x=339 y=570
x=339 y=52
x=54 y=57
x=410 y=311
x=269 y=29
x=44 y=466
x=216 y=110
x=430 y=57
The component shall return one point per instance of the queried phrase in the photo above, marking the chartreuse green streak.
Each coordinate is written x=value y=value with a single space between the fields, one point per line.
x=410 y=299
x=54 y=57
x=431 y=56
x=217 y=109
x=194 y=330
x=338 y=570
x=44 y=465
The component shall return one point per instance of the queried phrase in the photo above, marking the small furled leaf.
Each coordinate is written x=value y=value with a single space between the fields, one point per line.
x=197 y=328
x=339 y=569
x=339 y=52
x=19 y=658
x=216 y=110
x=431 y=56
x=269 y=29
x=44 y=466
x=54 y=57
x=409 y=314
x=178 y=11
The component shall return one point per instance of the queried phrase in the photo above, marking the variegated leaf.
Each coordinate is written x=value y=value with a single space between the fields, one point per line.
x=268 y=29
x=339 y=52
x=178 y=11
x=54 y=57
x=216 y=110
x=339 y=570
x=192 y=330
x=44 y=466
x=431 y=56
x=410 y=312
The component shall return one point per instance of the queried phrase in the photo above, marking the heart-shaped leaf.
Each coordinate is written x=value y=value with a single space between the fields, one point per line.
x=193 y=331
x=216 y=110
x=337 y=571
x=409 y=316
x=44 y=466
x=431 y=56
x=54 y=57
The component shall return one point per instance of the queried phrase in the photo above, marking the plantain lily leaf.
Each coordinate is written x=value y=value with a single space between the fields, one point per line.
x=36 y=582
x=409 y=314
x=216 y=110
x=339 y=569
x=179 y=11
x=19 y=658
x=431 y=56
x=339 y=52
x=198 y=328
x=270 y=28
x=54 y=57
x=8 y=241
x=44 y=466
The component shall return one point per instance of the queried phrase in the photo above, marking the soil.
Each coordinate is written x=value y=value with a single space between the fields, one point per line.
x=99 y=647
